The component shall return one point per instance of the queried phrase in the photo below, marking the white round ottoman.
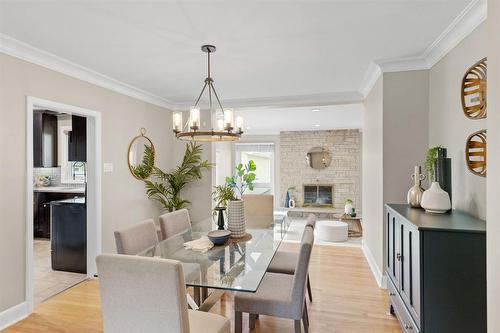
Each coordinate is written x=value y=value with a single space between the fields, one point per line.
x=332 y=231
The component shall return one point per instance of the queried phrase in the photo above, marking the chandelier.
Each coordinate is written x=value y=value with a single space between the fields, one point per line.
x=225 y=127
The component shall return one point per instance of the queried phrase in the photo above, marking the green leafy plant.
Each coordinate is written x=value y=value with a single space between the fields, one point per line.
x=430 y=162
x=222 y=194
x=166 y=187
x=348 y=202
x=244 y=178
x=144 y=170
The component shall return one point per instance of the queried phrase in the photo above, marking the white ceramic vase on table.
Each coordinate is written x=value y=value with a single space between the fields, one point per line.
x=436 y=200
x=236 y=218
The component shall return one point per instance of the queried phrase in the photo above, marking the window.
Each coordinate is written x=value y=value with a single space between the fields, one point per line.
x=263 y=156
x=71 y=172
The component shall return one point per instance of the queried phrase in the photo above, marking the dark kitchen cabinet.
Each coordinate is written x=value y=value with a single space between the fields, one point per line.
x=44 y=140
x=436 y=268
x=41 y=211
x=77 y=140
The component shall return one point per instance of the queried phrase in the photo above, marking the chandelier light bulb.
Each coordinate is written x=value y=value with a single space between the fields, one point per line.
x=228 y=119
x=239 y=123
x=177 y=121
x=194 y=117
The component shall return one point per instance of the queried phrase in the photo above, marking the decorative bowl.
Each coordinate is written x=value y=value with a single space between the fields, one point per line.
x=219 y=237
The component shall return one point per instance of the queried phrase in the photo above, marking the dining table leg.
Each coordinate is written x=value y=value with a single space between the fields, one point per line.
x=197 y=295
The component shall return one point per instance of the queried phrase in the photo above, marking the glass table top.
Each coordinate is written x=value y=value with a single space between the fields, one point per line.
x=239 y=264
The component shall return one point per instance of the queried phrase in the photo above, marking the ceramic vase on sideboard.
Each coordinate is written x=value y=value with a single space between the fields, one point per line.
x=436 y=200
x=414 y=197
x=236 y=218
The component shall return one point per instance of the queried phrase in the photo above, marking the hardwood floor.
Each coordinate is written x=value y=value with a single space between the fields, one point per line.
x=346 y=300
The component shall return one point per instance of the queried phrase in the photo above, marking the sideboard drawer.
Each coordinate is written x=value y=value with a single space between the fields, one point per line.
x=400 y=310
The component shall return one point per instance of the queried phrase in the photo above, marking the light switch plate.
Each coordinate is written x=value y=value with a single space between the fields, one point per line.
x=108 y=167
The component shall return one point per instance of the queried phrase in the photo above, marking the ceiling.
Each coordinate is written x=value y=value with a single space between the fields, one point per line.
x=272 y=121
x=267 y=52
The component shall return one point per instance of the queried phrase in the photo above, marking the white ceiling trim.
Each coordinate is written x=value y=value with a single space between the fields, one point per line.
x=347 y=97
x=370 y=78
x=24 y=51
x=464 y=24
x=468 y=20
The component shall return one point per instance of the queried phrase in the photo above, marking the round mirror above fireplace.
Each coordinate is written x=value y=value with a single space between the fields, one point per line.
x=318 y=158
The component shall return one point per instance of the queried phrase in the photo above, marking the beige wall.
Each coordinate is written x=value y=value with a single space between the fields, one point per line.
x=123 y=198
x=493 y=179
x=406 y=105
x=448 y=125
x=395 y=139
x=372 y=174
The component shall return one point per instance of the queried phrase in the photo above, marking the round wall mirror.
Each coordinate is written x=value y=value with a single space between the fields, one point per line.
x=318 y=158
x=141 y=156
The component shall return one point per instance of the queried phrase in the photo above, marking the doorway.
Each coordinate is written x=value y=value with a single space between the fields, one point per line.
x=62 y=187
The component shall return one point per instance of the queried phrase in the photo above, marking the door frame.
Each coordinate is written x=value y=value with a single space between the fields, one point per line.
x=94 y=186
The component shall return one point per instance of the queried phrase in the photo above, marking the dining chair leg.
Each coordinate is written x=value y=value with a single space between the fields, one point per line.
x=297 y=324
x=251 y=321
x=305 y=321
x=309 y=288
x=306 y=314
x=238 y=316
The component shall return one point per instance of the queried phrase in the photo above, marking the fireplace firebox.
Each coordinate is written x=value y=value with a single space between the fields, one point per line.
x=318 y=195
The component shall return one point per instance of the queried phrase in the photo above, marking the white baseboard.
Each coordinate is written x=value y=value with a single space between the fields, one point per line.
x=13 y=315
x=379 y=277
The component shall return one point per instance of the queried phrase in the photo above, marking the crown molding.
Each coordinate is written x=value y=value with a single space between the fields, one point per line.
x=335 y=98
x=370 y=78
x=462 y=26
x=24 y=51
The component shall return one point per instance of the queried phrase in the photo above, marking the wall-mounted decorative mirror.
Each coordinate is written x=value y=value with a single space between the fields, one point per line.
x=141 y=156
x=318 y=158
x=474 y=90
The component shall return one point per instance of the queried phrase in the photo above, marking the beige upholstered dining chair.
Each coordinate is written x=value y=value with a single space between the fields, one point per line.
x=279 y=295
x=136 y=238
x=259 y=210
x=174 y=223
x=140 y=294
x=284 y=261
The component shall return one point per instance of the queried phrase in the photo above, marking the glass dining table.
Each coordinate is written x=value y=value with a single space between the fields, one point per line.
x=238 y=265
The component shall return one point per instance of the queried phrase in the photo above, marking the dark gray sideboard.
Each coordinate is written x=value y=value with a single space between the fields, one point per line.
x=436 y=268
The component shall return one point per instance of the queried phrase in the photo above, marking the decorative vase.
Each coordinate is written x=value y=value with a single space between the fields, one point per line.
x=415 y=193
x=443 y=171
x=236 y=218
x=287 y=200
x=436 y=200
x=348 y=209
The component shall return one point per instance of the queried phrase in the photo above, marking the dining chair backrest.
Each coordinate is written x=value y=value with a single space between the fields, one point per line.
x=174 y=223
x=140 y=294
x=311 y=220
x=301 y=270
x=136 y=238
x=259 y=210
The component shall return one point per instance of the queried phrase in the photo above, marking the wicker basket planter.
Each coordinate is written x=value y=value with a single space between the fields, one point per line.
x=236 y=218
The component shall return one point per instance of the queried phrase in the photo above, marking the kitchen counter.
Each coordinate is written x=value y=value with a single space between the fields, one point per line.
x=79 y=201
x=60 y=189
